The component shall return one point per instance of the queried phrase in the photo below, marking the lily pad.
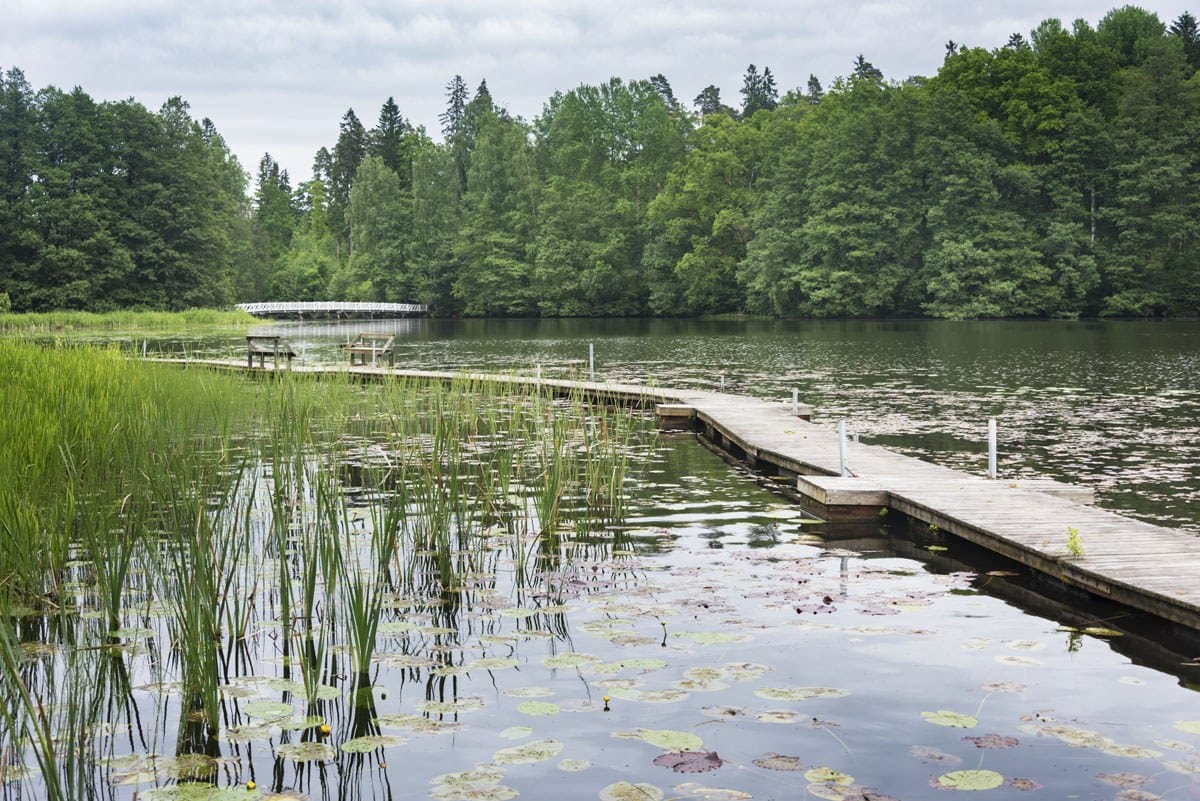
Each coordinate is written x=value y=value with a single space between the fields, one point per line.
x=368 y=743
x=198 y=792
x=516 y=733
x=711 y=637
x=493 y=663
x=538 y=708
x=691 y=791
x=667 y=739
x=418 y=723
x=944 y=717
x=624 y=791
x=777 y=716
x=993 y=741
x=568 y=660
x=454 y=707
x=306 y=752
x=780 y=762
x=689 y=761
x=268 y=710
x=536 y=751
x=970 y=780
x=573 y=765
x=1189 y=726
x=528 y=692
x=799 y=693
x=827 y=776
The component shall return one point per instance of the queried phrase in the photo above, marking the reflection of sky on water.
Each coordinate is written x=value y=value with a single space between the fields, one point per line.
x=1112 y=405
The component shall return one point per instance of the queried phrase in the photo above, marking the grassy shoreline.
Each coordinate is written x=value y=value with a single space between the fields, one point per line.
x=36 y=322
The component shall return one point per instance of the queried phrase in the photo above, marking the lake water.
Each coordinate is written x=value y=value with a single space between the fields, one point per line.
x=1114 y=405
x=744 y=653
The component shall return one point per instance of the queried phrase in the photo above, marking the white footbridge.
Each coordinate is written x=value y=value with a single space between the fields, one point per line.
x=333 y=308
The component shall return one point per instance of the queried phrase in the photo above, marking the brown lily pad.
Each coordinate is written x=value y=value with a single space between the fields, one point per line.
x=689 y=761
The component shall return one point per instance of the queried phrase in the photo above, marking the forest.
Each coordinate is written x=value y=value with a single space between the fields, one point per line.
x=1057 y=175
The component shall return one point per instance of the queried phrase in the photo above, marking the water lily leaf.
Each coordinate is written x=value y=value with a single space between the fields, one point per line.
x=306 y=752
x=1189 y=726
x=368 y=743
x=1024 y=784
x=777 y=716
x=1175 y=745
x=198 y=792
x=132 y=634
x=516 y=733
x=1132 y=751
x=944 y=717
x=711 y=637
x=454 y=707
x=667 y=739
x=720 y=712
x=1025 y=645
x=1020 y=661
x=493 y=663
x=489 y=792
x=538 y=708
x=418 y=723
x=744 y=671
x=970 y=780
x=568 y=660
x=827 y=776
x=927 y=753
x=780 y=762
x=848 y=792
x=624 y=791
x=481 y=775
x=799 y=693
x=1123 y=779
x=404 y=661
x=573 y=765
x=245 y=734
x=689 y=761
x=666 y=696
x=269 y=710
x=648 y=663
x=993 y=741
x=1003 y=687
x=535 y=751
x=691 y=791
x=528 y=692
x=1186 y=768
x=1137 y=795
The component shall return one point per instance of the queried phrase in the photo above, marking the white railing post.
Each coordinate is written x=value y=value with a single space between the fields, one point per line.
x=991 y=470
x=591 y=361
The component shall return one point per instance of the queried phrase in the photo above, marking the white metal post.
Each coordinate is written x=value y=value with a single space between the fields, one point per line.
x=591 y=361
x=795 y=402
x=991 y=447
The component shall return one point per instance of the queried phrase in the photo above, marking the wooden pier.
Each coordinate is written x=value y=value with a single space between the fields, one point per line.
x=1045 y=525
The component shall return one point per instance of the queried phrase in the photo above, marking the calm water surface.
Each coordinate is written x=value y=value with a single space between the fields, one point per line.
x=1114 y=405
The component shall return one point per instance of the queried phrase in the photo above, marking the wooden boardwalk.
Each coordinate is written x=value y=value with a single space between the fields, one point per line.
x=1142 y=566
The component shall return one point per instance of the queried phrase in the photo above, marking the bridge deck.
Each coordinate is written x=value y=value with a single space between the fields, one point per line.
x=333 y=309
x=1145 y=567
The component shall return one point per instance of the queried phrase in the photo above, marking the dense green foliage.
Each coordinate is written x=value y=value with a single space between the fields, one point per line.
x=1054 y=176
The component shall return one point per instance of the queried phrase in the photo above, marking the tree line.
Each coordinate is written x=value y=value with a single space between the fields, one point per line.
x=1055 y=176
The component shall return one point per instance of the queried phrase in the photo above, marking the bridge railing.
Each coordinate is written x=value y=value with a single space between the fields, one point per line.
x=333 y=307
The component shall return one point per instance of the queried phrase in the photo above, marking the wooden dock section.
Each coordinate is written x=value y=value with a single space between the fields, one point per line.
x=1047 y=526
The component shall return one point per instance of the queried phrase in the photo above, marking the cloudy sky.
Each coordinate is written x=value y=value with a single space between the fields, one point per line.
x=277 y=75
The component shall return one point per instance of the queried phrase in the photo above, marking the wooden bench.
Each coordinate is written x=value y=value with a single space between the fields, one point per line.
x=264 y=346
x=373 y=345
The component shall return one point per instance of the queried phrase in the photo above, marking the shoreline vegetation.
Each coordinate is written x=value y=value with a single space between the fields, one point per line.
x=1053 y=176
x=171 y=531
x=41 y=322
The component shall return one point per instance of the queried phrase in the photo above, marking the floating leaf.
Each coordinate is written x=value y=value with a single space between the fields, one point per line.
x=198 y=792
x=624 y=791
x=720 y=712
x=827 y=776
x=1003 y=687
x=993 y=741
x=538 y=708
x=1024 y=784
x=1123 y=779
x=573 y=765
x=493 y=663
x=1186 y=768
x=777 y=716
x=689 y=761
x=452 y=707
x=1025 y=645
x=944 y=717
x=536 y=751
x=270 y=710
x=744 y=671
x=1189 y=726
x=927 y=753
x=1020 y=661
x=780 y=762
x=970 y=780
x=1101 y=631
x=690 y=791
x=711 y=637
x=418 y=723
x=568 y=660
x=667 y=739
x=528 y=692
x=306 y=752
x=368 y=743
x=799 y=693
x=516 y=733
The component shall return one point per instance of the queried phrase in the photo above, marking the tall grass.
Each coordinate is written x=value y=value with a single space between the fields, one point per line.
x=35 y=322
x=215 y=509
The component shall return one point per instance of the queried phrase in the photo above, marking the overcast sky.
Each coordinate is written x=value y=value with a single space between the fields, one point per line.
x=277 y=75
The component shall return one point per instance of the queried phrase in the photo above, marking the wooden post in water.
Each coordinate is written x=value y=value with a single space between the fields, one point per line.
x=991 y=447
x=795 y=402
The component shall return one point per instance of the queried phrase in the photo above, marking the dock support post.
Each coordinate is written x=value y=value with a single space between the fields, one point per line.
x=591 y=361
x=795 y=402
x=991 y=447
x=842 y=448
x=722 y=382
x=538 y=373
